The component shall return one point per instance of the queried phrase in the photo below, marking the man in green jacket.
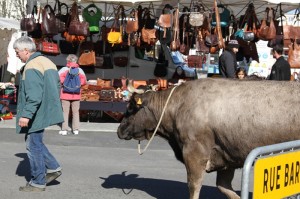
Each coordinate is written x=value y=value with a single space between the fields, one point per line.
x=38 y=107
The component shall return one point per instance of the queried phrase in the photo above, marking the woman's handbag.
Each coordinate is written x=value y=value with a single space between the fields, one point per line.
x=49 y=21
x=114 y=37
x=115 y=34
x=76 y=26
x=196 y=18
x=87 y=58
x=165 y=21
x=267 y=32
x=48 y=47
x=184 y=47
x=121 y=61
x=132 y=23
x=294 y=55
x=148 y=22
x=149 y=36
x=29 y=24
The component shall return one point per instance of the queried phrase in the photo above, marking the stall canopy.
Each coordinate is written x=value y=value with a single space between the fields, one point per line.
x=237 y=7
x=9 y=24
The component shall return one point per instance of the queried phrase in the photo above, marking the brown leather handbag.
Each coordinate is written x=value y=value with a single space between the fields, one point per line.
x=294 y=55
x=76 y=26
x=266 y=32
x=149 y=35
x=132 y=23
x=87 y=58
x=29 y=24
x=184 y=47
x=48 y=25
x=165 y=21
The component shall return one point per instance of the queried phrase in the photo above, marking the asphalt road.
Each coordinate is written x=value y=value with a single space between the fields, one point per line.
x=99 y=165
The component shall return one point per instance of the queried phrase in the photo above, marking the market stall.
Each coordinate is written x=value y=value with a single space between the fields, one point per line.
x=142 y=41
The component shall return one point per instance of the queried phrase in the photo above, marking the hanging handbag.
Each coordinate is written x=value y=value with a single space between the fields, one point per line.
x=165 y=21
x=62 y=12
x=184 y=47
x=294 y=55
x=149 y=36
x=267 y=32
x=76 y=26
x=196 y=18
x=132 y=23
x=49 y=22
x=115 y=34
x=149 y=19
x=29 y=24
x=87 y=58
x=37 y=32
x=68 y=47
x=92 y=14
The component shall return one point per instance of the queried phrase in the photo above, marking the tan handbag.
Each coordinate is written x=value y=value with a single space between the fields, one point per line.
x=87 y=58
x=132 y=24
x=165 y=21
x=294 y=55
x=149 y=36
x=267 y=32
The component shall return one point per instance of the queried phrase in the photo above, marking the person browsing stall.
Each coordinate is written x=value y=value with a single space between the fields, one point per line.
x=38 y=107
x=71 y=99
x=227 y=62
x=281 y=70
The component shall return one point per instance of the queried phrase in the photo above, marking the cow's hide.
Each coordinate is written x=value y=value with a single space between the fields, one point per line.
x=213 y=124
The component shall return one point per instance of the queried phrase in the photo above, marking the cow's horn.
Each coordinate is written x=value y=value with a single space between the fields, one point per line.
x=131 y=89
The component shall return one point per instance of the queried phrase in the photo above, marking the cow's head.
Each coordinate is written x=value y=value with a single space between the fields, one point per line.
x=138 y=121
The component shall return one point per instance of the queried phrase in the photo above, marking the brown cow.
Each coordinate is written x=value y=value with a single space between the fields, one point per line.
x=213 y=124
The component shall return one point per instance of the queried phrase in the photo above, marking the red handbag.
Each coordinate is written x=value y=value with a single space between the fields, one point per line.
x=48 y=47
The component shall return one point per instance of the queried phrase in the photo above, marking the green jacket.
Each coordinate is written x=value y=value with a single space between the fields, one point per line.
x=38 y=97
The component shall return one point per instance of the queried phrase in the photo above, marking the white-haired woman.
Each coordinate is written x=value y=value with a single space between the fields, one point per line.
x=70 y=99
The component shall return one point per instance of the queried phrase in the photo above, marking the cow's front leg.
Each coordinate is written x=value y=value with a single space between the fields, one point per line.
x=195 y=166
x=224 y=179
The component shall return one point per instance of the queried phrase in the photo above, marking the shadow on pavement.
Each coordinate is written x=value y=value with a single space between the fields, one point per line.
x=23 y=169
x=157 y=188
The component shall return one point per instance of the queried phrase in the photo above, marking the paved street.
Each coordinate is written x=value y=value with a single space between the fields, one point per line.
x=99 y=165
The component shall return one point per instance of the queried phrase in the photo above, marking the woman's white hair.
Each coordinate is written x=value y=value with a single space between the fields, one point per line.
x=72 y=58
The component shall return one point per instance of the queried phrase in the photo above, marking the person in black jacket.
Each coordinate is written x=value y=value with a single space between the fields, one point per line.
x=281 y=70
x=227 y=62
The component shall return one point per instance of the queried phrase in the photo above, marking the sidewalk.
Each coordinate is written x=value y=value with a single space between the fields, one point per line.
x=84 y=126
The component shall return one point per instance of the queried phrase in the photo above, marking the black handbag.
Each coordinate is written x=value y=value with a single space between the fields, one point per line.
x=68 y=47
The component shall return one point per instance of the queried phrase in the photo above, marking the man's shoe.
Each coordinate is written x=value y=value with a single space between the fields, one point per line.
x=52 y=176
x=76 y=132
x=30 y=188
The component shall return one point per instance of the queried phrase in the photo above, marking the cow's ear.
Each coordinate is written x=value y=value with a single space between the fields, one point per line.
x=138 y=100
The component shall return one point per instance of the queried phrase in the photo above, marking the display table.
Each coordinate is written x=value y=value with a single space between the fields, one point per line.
x=114 y=109
x=103 y=106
